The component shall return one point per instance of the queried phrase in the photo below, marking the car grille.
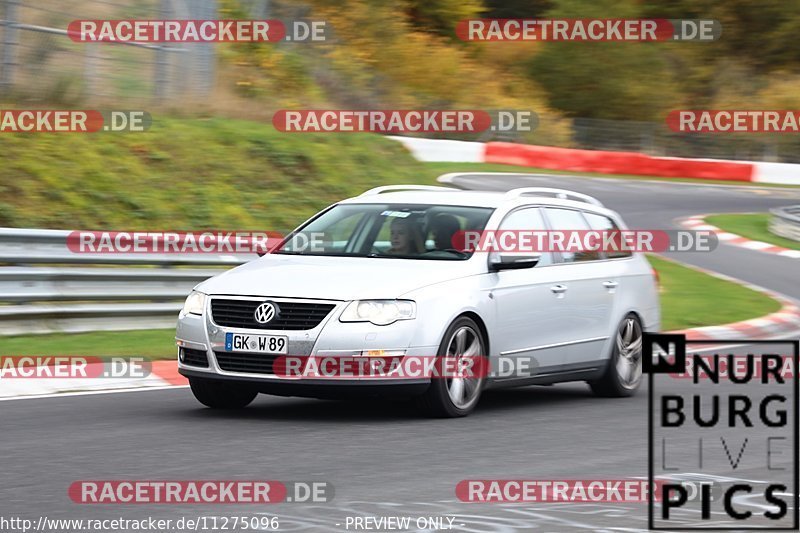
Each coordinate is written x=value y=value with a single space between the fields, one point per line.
x=195 y=357
x=244 y=362
x=292 y=316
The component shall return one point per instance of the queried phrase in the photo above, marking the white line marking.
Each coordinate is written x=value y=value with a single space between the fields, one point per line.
x=91 y=393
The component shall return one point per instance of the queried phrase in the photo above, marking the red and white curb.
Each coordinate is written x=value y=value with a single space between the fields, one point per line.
x=782 y=324
x=599 y=161
x=163 y=374
x=698 y=222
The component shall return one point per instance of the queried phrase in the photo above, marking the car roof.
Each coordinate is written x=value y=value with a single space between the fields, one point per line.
x=429 y=195
x=457 y=197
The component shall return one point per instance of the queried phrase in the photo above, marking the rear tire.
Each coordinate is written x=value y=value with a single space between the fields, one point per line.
x=455 y=397
x=623 y=373
x=221 y=394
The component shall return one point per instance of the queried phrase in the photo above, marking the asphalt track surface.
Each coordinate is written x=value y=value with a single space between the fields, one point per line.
x=381 y=457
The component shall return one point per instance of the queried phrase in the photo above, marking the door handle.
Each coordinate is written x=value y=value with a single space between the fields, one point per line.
x=558 y=289
x=610 y=284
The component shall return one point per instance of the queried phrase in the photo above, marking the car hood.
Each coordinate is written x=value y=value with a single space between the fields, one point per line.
x=335 y=278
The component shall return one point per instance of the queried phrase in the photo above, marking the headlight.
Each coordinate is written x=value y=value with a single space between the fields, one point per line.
x=379 y=312
x=195 y=304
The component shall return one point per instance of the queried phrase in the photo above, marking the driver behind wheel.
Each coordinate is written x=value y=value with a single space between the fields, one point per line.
x=444 y=227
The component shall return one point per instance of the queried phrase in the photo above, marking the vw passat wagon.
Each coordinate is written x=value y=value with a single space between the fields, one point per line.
x=385 y=280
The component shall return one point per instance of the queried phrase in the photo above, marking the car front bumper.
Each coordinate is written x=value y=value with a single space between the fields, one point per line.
x=329 y=338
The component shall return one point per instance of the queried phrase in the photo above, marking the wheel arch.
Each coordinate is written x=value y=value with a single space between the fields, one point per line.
x=475 y=317
x=635 y=311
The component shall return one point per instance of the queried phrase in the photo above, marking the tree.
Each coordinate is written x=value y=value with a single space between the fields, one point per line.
x=517 y=9
x=615 y=80
x=441 y=16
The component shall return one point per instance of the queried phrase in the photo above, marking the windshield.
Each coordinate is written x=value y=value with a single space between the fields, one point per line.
x=387 y=230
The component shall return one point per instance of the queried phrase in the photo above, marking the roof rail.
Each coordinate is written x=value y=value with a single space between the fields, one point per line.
x=396 y=188
x=451 y=176
x=524 y=191
x=555 y=193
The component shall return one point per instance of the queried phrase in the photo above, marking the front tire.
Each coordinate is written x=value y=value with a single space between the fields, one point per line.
x=221 y=394
x=455 y=397
x=623 y=373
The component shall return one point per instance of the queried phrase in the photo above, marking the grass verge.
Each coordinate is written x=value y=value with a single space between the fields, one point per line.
x=191 y=174
x=689 y=299
x=150 y=344
x=754 y=226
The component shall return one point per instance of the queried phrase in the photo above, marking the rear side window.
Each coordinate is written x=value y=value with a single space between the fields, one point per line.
x=567 y=219
x=603 y=223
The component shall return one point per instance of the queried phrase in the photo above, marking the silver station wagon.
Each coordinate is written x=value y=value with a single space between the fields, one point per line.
x=386 y=280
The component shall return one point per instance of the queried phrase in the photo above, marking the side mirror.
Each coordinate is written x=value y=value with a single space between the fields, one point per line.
x=506 y=261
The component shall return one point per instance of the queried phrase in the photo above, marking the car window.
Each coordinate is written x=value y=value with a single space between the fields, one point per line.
x=603 y=223
x=529 y=218
x=337 y=235
x=410 y=223
x=565 y=220
x=403 y=231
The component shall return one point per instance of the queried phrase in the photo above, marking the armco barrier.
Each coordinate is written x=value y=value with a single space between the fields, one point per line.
x=48 y=246
x=46 y=287
x=574 y=160
x=785 y=222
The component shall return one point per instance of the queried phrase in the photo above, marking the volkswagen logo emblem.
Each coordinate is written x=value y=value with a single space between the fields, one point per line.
x=265 y=312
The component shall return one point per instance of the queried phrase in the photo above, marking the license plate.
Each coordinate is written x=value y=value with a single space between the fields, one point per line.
x=238 y=342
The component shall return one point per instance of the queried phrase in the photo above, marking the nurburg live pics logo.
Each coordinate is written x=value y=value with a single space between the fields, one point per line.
x=736 y=430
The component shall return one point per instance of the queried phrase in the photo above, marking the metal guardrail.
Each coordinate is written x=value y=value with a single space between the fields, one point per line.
x=45 y=287
x=44 y=246
x=785 y=222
